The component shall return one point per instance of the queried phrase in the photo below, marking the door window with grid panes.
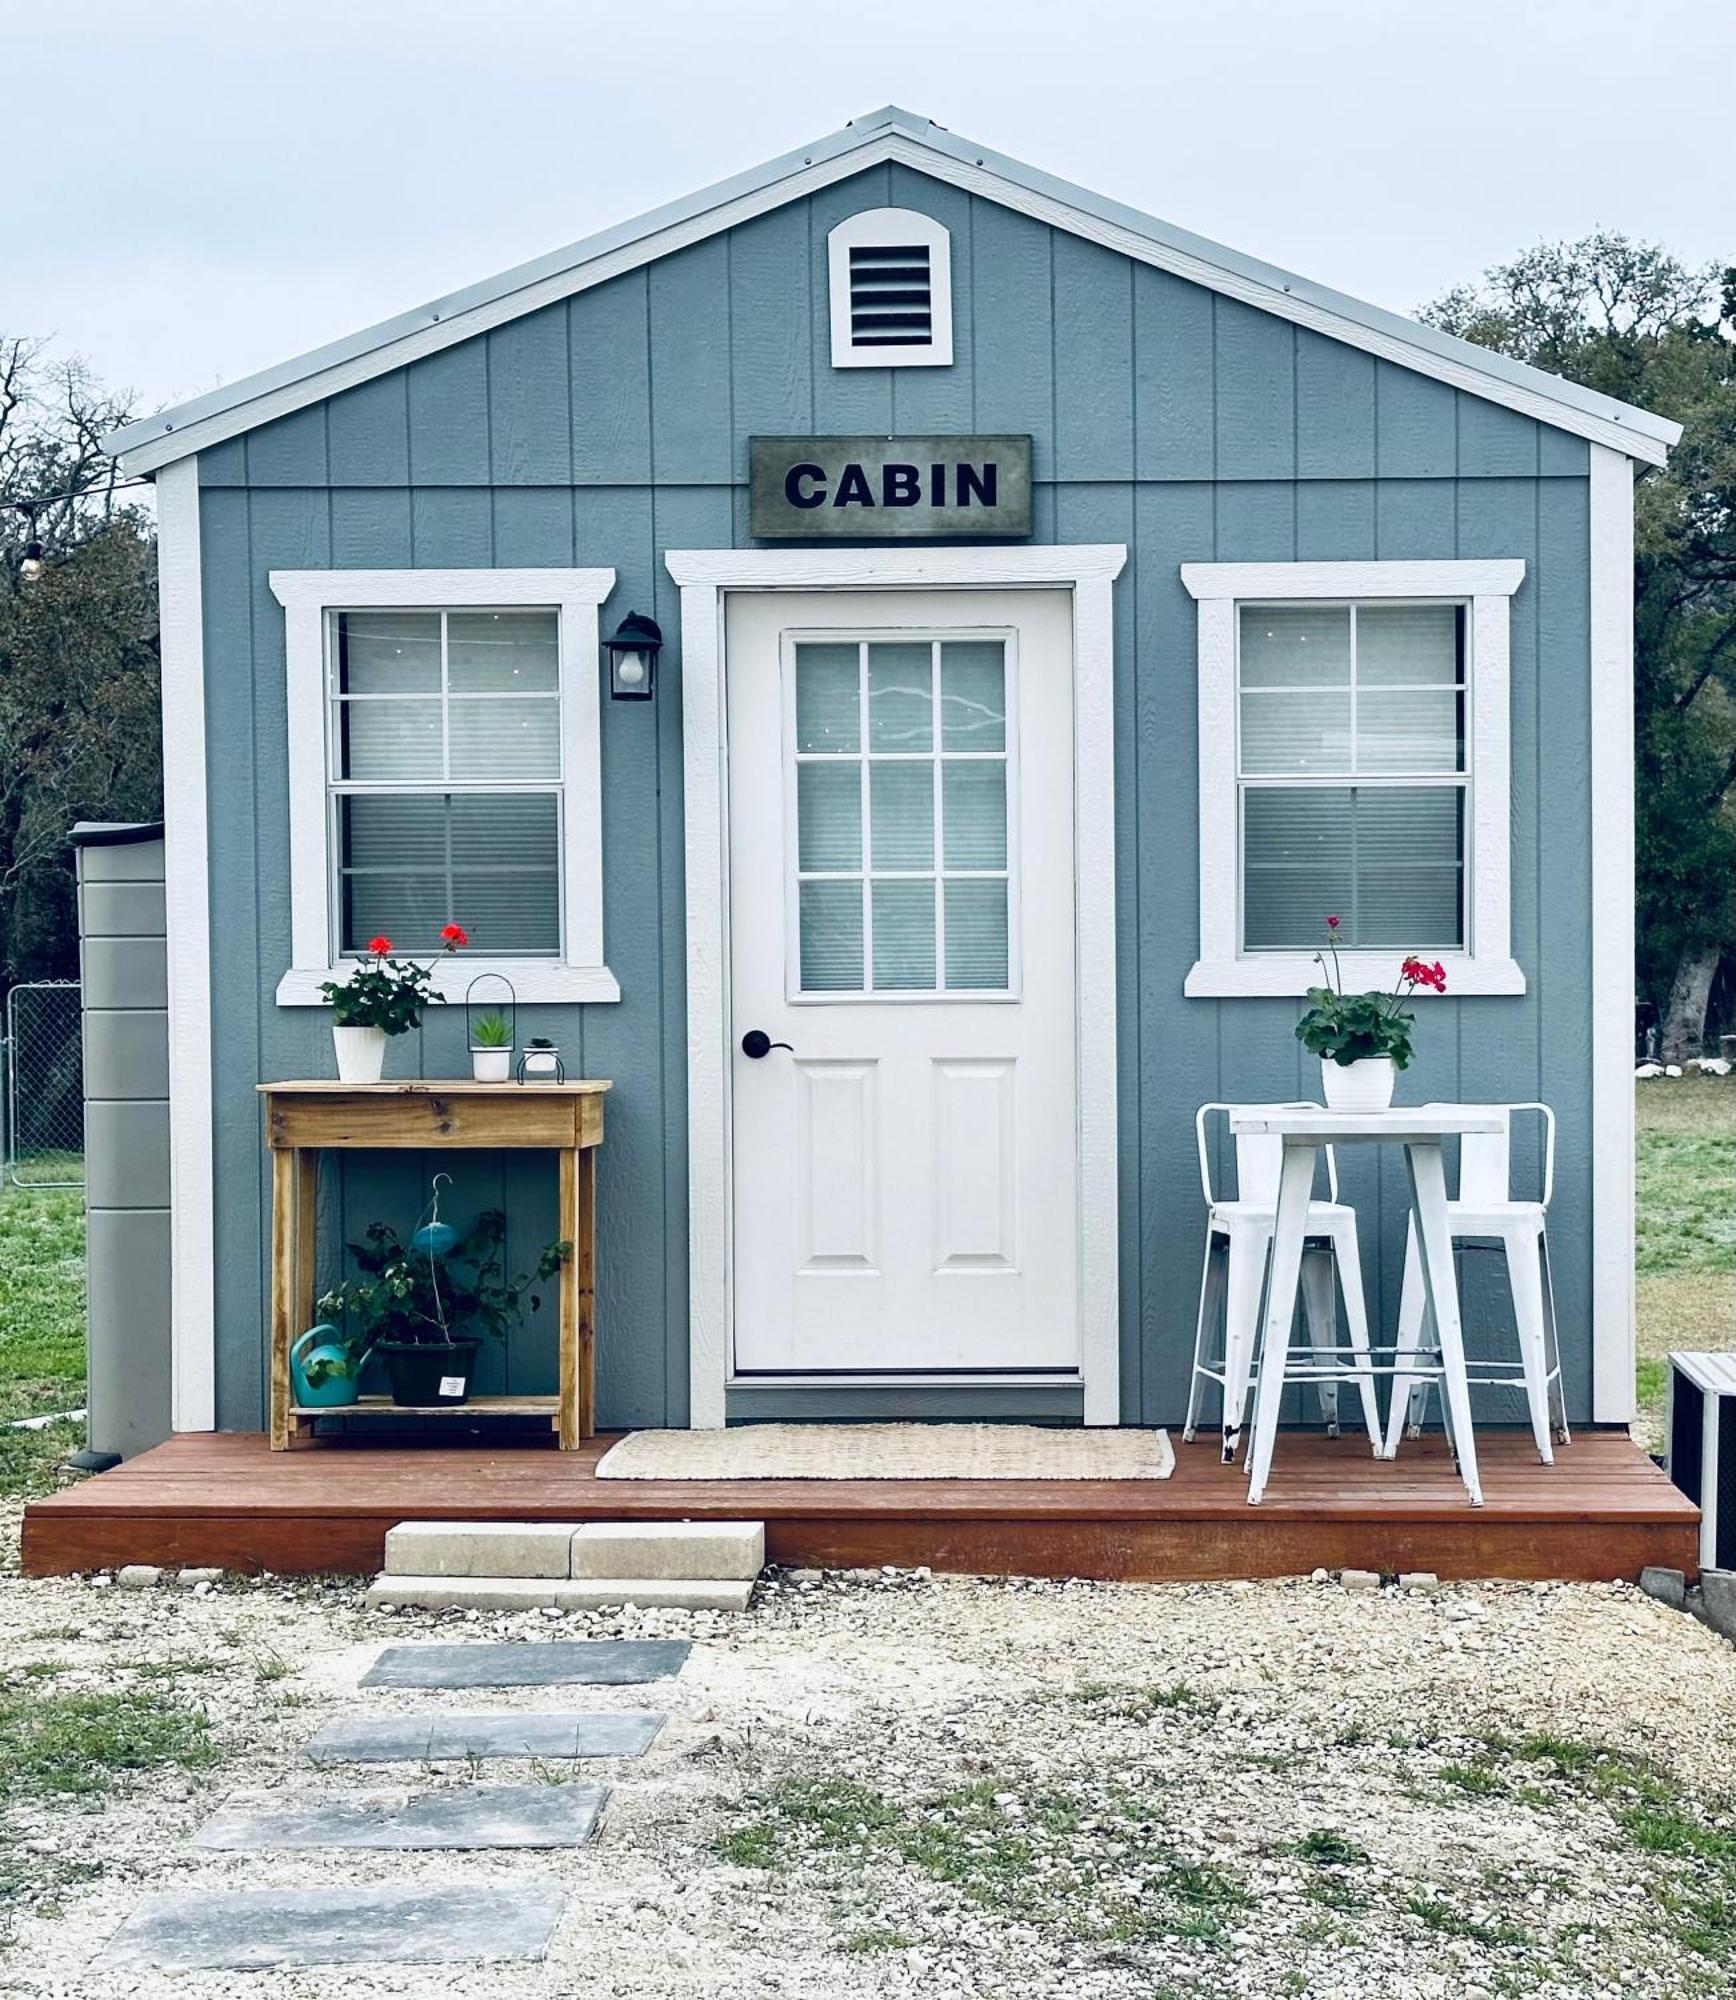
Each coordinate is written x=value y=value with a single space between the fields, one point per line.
x=903 y=775
x=1353 y=774
x=445 y=778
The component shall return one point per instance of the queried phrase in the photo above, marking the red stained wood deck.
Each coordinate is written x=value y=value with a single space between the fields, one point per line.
x=1602 y=1512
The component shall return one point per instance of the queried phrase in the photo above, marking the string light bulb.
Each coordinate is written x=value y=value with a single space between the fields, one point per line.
x=31 y=564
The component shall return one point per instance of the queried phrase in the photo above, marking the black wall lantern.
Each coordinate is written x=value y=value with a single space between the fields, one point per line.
x=633 y=647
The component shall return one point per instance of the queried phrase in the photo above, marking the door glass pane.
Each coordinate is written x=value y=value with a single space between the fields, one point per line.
x=900 y=697
x=1298 y=646
x=1295 y=734
x=502 y=652
x=901 y=799
x=492 y=738
x=831 y=937
x=828 y=698
x=1408 y=645
x=973 y=694
x=388 y=652
x=974 y=808
x=904 y=936
x=389 y=741
x=976 y=936
x=829 y=815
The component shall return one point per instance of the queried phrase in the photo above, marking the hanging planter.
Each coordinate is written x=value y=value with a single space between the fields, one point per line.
x=424 y=1307
x=491 y=1023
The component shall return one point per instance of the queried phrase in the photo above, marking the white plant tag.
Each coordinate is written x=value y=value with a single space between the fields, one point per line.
x=452 y=1385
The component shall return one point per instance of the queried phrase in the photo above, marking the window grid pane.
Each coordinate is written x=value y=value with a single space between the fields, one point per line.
x=916 y=733
x=1354 y=779
x=424 y=703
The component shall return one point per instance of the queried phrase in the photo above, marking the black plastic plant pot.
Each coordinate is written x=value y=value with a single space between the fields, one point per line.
x=424 y=1377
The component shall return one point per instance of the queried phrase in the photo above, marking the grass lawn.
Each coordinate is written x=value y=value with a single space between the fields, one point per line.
x=1686 y=1229
x=41 y=1330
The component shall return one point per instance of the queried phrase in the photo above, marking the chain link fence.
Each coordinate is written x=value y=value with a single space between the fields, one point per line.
x=44 y=1093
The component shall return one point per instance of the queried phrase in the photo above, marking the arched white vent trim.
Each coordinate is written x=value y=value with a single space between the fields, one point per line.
x=890 y=276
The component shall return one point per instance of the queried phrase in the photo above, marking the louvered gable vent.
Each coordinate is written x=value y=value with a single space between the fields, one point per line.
x=891 y=285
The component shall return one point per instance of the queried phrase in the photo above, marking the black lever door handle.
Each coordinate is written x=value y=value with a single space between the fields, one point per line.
x=757 y=1043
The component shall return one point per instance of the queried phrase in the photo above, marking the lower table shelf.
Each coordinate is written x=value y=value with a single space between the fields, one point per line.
x=472 y=1406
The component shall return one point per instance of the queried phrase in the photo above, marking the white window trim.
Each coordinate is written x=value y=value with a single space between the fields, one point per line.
x=882 y=226
x=1487 y=965
x=706 y=577
x=307 y=595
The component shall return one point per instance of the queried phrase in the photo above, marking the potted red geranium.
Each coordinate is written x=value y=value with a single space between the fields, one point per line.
x=1362 y=1039
x=384 y=996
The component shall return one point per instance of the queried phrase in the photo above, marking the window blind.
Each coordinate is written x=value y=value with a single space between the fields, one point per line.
x=1353 y=775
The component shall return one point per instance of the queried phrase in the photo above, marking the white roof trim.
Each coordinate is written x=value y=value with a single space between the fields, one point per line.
x=889 y=134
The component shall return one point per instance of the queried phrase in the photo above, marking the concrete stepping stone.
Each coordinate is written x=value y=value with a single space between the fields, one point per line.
x=391 y=1739
x=253 y=1930
x=463 y=1817
x=529 y=1663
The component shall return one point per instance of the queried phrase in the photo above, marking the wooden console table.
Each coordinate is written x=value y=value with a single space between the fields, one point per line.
x=304 y=1119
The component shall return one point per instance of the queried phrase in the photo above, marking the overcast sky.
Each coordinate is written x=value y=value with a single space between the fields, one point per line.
x=203 y=187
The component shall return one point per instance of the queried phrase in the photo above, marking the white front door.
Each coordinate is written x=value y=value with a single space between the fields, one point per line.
x=901 y=916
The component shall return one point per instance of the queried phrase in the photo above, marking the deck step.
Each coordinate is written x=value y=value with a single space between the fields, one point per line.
x=638 y=1551
x=486 y=1593
x=480 y=1548
x=677 y=1551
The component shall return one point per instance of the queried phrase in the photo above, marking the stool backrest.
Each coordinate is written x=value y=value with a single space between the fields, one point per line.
x=1486 y=1158
x=1259 y=1156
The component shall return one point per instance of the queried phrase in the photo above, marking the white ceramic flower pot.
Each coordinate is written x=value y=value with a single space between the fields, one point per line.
x=361 y=1053
x=491 y=1065
x=1358 y=1086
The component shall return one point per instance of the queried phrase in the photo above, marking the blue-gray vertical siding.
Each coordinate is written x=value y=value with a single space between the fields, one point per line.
x=613 y=427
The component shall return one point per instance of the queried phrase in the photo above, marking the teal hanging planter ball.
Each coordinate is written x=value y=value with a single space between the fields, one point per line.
x=435 y=1239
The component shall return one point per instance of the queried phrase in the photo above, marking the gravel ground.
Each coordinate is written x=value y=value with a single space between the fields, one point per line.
x=891 y=1784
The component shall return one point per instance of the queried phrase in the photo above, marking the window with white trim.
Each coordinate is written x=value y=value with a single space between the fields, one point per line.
x=445 y=779
x=444 y=767
x=1354 y=761
x=1353 y=774
x=889 y=271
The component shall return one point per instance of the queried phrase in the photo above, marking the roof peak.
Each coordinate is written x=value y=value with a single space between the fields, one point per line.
x=889 y=133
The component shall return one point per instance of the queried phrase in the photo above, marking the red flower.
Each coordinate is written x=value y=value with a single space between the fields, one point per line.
x=454 y=936
x=1332 y=923
x=379 y=946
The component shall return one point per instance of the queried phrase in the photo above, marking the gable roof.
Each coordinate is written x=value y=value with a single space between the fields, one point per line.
x=901 y=136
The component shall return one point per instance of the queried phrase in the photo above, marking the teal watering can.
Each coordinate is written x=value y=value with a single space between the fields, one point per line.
x=323 y=1350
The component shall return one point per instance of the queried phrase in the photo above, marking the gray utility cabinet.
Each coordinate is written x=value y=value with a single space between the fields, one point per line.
x=123 y=958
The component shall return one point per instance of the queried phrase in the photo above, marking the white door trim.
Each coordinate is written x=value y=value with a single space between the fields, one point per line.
x=705 y=576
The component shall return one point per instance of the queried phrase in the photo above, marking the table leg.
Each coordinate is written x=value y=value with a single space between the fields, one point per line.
x=283 y=1280
x=1428 y=1185
x=306 y=1236
x=578 y=1413
x=1289 y=1228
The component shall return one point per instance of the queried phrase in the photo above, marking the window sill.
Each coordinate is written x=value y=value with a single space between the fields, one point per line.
x=535 y=982
x=1289 y=974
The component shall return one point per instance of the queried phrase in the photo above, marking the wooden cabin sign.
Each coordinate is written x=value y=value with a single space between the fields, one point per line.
x=876 y=489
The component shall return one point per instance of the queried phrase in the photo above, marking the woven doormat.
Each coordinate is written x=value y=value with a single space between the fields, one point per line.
x=890 y=1451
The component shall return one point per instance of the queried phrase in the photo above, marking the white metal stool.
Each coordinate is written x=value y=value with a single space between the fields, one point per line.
x=1484 y=1208
x=1238 y=1254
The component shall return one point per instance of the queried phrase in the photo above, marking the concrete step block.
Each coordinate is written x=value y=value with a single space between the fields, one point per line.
x=483 y=1593
x=479 y=1548
x=675 y=1550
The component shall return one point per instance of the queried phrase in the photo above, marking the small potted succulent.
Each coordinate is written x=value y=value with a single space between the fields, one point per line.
x=384 y=996
x=491 y=1048
x=1362 y=1039
x=425 y=1312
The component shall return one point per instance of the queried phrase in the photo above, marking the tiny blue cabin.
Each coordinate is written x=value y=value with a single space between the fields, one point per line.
x=1060 y=616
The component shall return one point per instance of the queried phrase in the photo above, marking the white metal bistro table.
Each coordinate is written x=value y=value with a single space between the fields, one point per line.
x=1419 y=1130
